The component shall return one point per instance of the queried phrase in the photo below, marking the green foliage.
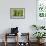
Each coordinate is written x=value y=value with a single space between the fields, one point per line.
x=42 y=10
x=35 y=27
x=40 y=27
x=41 y=14
x=18 y=13
x=39 y=35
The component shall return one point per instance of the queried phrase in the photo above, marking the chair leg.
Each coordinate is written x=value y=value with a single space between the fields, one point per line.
x=5 y=43
x=5 y=40
x=17 y=40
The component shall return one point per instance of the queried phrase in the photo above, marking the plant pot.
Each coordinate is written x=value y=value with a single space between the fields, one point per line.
x=40 y=41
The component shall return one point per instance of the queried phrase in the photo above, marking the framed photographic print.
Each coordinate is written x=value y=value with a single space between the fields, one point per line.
x=17 y=13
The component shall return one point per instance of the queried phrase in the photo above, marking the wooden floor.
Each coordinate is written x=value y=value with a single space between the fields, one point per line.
x=13 y=44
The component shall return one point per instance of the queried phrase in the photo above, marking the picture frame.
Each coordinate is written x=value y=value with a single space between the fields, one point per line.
x=17 y=13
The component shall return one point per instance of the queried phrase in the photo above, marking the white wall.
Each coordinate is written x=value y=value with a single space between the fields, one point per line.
x=23 y=24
